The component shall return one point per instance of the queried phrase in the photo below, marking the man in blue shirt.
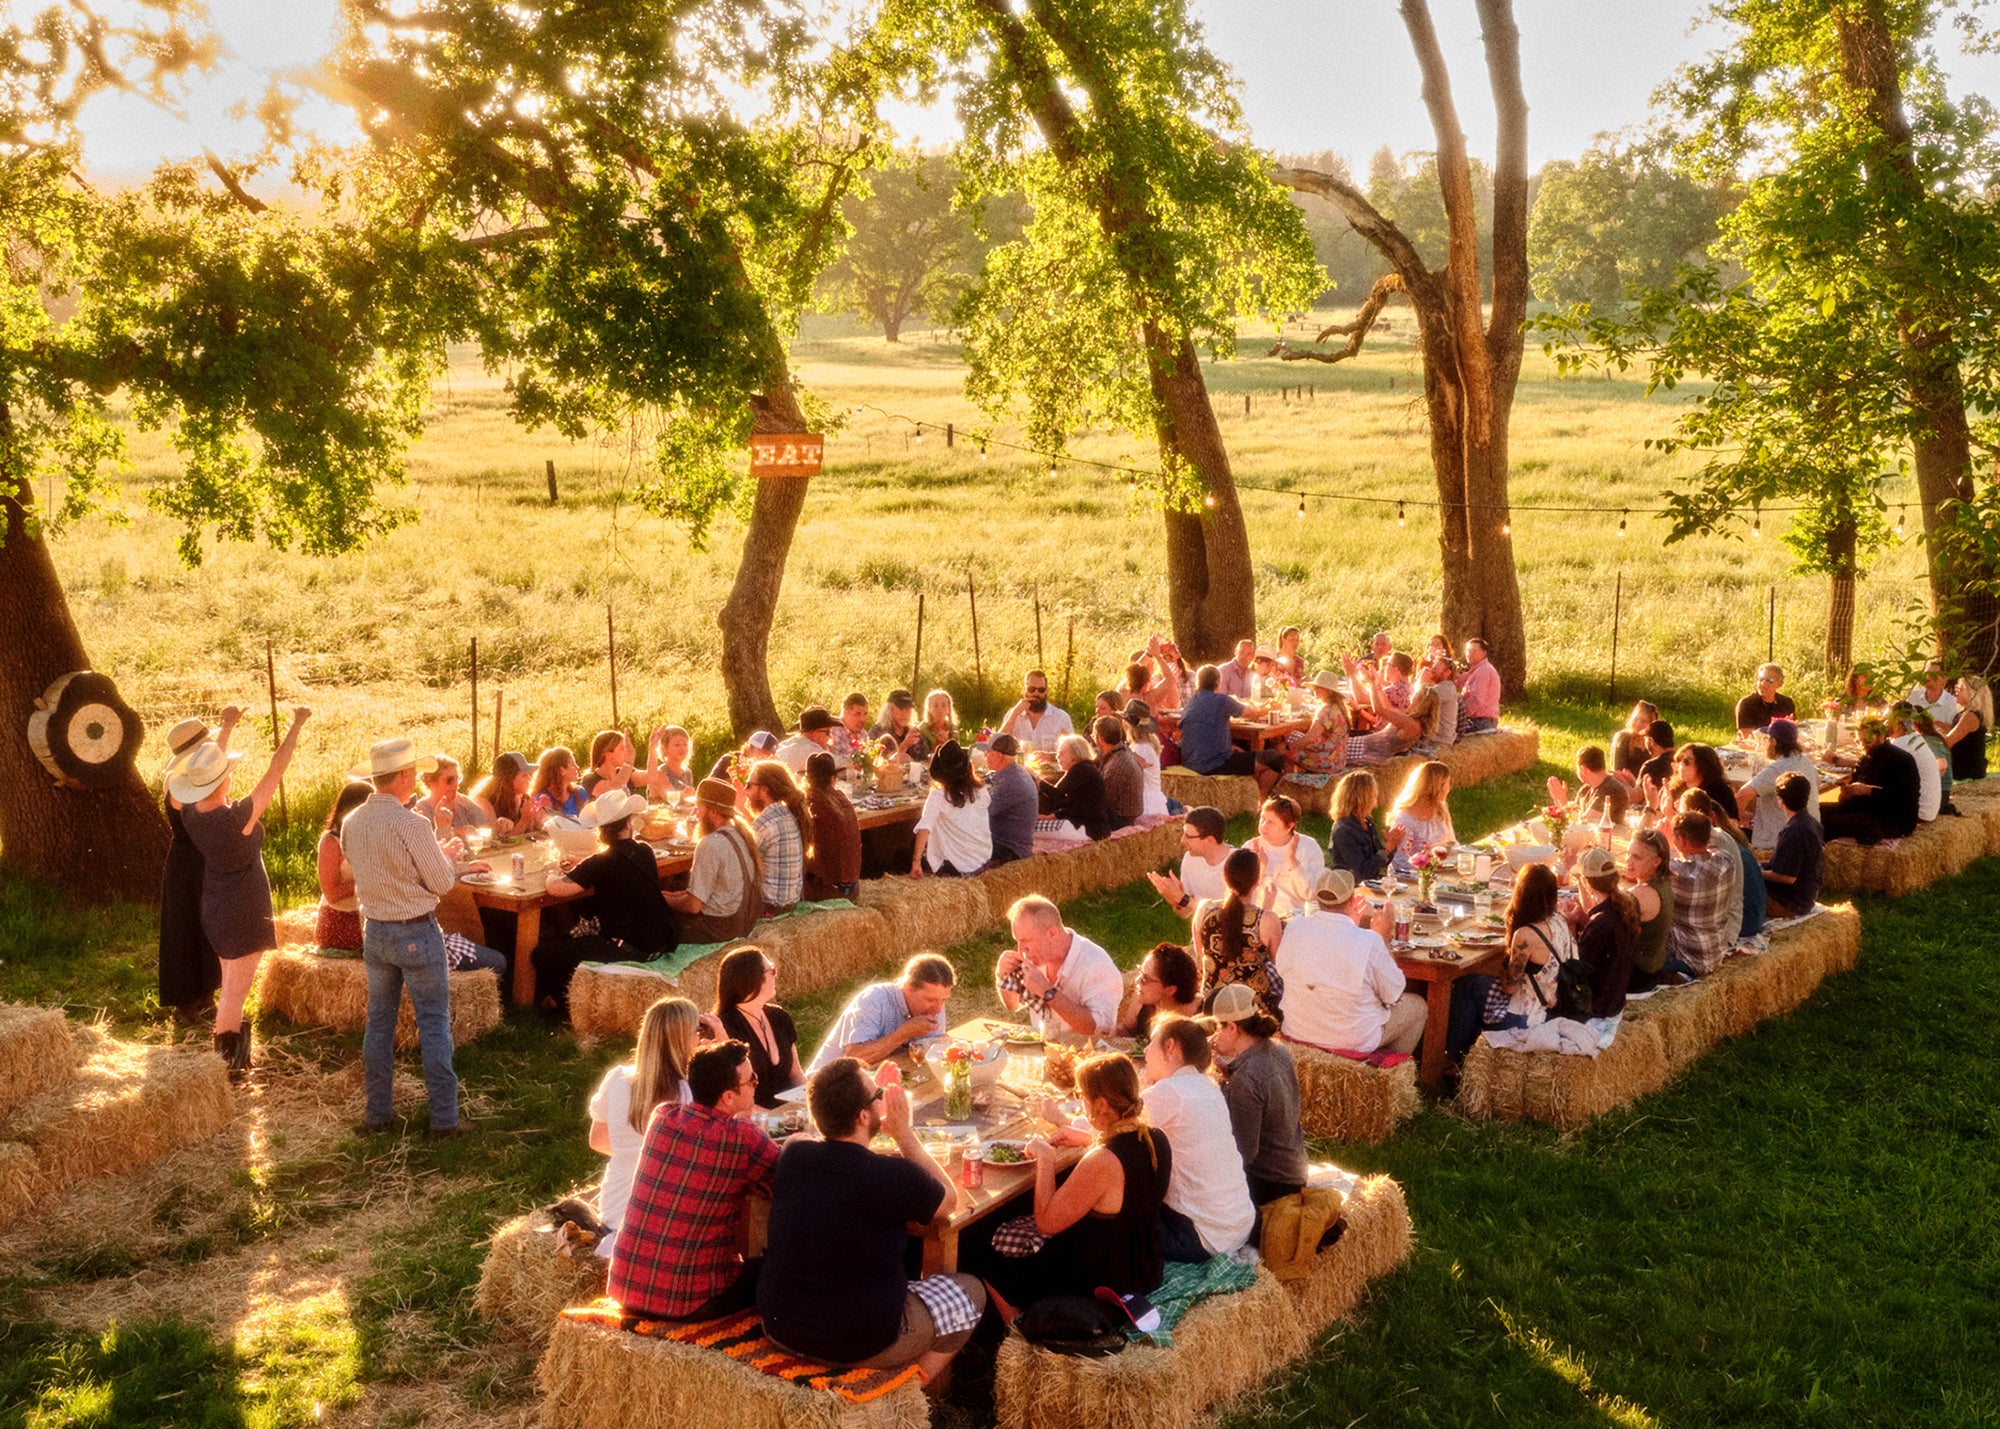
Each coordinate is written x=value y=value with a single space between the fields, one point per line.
x=1012 y=801
x=885 y=1017
x=1205 y=745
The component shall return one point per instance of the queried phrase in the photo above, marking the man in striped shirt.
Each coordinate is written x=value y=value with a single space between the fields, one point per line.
x=399 y=875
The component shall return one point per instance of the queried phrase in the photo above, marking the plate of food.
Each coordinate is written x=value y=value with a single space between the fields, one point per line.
x=1479 y=940
x=1006 y=1153
x=1021 y=1037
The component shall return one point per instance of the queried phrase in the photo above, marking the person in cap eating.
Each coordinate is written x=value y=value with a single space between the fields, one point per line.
x=399 y=875
x=725 y=893
x=623 y=880
x=895 y=732
x=188 y=969
x=816 y=728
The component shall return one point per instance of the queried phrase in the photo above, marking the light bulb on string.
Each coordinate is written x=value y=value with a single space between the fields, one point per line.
x=1902 y=513
x=1757 y=526
x=1209 y=501
x=1506 y=527
x=1621 y=524
x=1302 y=508
x=1401 y=518
x=917 y=436
x=1054 y=471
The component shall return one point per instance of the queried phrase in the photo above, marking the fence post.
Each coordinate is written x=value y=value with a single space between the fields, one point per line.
x=472 y=764
x=917 y=661
x=978 y=671
x=550 y=467
x=1069 y=660
x=1617 y=609
x=1771 y=640
x=1039 y=664
x=611 y=656
x=271 y=680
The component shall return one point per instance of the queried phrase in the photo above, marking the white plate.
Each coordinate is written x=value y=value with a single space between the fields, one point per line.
x=986 y=1153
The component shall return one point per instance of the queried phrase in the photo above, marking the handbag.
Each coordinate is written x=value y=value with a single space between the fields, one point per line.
x=1575 y=997
x=1074 y=1325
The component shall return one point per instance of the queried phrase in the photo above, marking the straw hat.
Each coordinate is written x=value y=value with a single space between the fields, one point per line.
x=182 y=740
x=205 y=770
x=1326 y=680
x=716 y=793
x=392 y=756
x=609 y=808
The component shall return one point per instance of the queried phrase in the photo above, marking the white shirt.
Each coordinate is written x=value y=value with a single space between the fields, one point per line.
x=962 y=837
x=1202 y=880
x=1207 y=1184
x=611 y=1104
x=1155 y=805
x=1340 y=982
x=1090 y=977
x=1041 y=731
x=1289 y=873
x=1771 y=813
x=795 y=751
x=1944 y=709
x=1930 y=792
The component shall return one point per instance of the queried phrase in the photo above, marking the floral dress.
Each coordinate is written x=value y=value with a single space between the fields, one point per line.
x=1321 y=748
x=1255 y=967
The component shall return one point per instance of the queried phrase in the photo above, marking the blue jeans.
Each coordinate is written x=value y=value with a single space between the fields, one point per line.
x=407 y=956
x=1180 y=1240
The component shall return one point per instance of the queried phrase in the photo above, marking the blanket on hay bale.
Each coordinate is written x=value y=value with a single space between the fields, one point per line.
x=1376 y=1241
x=36 y=1052
x=1223 y=1347
x=1663 y=1034
x=1946 y=846
x=128 y=1103
x=595 y=1376
x=526 y=1281
x=1349 y=1100
x=310 y=989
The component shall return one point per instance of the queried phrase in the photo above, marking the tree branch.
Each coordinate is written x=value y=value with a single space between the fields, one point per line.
x=1361 y=215
x=508 y=238
x=1502 y=38
x=1356 y=332
x=229 y=180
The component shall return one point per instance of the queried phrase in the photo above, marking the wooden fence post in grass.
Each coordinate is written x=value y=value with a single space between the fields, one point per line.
x=472 y=765
x=949 y=434
x=497 y=695
x=1246 y=404
x=271 y=682
x=1617 y=608
x=917 y=660
x=1771 y=640
x=550 y=467
x=1039 y=663
x=1069 y=660
x=611 y=656
x=978 y=670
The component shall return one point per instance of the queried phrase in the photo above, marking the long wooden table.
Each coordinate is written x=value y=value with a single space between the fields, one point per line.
x=1437 y=974
x=1252 y=734
x=526 y=899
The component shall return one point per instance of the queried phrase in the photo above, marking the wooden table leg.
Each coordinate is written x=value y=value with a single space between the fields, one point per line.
x=1437 y=1017
x=940 y=1251
x=527 y=933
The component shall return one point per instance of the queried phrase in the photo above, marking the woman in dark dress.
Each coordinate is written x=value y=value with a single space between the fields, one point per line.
x=744 y=986
x=1103 y=1222
x=1966 y=738
x=190 y=973
x=235 y=889
x=633 y=923
x=1079 y=795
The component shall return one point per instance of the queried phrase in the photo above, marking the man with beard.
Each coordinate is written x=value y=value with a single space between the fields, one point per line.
x=1033 y=720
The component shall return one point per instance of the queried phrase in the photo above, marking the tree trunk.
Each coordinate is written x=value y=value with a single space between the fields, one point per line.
x=94 y=844
x=1843 y=551
x=1211 y=589
x=1961 y=598
x=746 y=617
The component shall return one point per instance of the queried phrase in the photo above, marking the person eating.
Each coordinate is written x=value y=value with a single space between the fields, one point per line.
x=1032 y=720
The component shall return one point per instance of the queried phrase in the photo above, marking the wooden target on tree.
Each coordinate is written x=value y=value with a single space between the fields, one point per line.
x=82 y=732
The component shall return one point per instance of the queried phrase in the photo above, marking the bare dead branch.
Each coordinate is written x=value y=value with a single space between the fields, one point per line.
x=1386 y=287
x=509 y=238
x=230 y=182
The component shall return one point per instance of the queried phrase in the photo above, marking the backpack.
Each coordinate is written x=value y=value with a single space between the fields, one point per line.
x=1575 y=998
x=1074 y=1325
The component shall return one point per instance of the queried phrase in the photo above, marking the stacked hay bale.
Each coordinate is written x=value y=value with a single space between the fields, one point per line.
x=1352 y=1101
x=103 y=1106
x=1662 y=1035
x=815 y=950
x=612 y=1004
x=926 y=912
x=527 y=1279
x=1225 y=1346
x=1472 y=760
x=598 y=1378
x=36 y=1052
x=314 y=991
x=1937 y=850
x=1978 y=800
x=1376 y=1241
x=1231 y=794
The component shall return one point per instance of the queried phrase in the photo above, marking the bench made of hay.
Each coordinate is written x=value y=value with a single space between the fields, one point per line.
x=1351 y=1100
x=1375 y=1243
x=1472 y=760
x=1946 y=846
x=123 y=1105
x=1978 y=801
x=1660 y=1036
x=532 y=1274
x=596 y=1376
x=310 y=989
x=36 y=1052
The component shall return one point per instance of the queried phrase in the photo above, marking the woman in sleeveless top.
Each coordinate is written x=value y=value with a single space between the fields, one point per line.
x=1102 y=1224
x=1652 y=888
x=189 y=971
x=1967 y=736
x=338 y=924
x=1237 y=941
x=1538 y=943
x=745 y=983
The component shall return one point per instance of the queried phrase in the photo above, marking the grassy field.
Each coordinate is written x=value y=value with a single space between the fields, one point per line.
x=1797 y=1233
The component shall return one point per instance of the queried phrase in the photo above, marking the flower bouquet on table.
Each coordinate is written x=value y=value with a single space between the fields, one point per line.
x=957 y=1062
x=1424 y=863
x=1556 y=816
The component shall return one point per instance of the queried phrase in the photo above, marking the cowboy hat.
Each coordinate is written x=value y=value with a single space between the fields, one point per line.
x=392 y=756
x=182 y=740
x=205 y=770
x=610 y=807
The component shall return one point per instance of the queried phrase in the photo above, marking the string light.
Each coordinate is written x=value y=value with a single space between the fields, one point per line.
x=1902 y=513
x=1757 y=526
x=1054 y=470
x=1506 y=527
x=917 y=436
x=1621 y=524
x=1401 y=519
x=1302 y=508
x=982 y=451
x=1209 y=501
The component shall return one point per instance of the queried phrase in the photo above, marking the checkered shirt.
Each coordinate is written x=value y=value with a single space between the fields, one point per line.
x=680 y=1243
x=784 y=850
x=1707 y=905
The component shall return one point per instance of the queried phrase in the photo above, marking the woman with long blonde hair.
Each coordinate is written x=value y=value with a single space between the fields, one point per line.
x=555 y=787
x=1423 y=812
x=623 y=1103
x=1966 y=739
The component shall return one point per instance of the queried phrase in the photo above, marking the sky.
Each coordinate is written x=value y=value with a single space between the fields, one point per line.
x=1316 y=74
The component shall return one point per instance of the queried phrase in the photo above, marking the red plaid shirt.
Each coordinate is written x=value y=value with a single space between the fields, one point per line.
x=679 y=1245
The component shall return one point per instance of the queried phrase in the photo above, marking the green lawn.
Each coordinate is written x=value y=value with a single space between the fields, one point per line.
x=1799 y=1231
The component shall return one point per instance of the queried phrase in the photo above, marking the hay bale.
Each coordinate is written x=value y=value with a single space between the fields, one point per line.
x=1978 y=800
x=612 y=1004
x=36 y=1052
x=1937 y=850
x=1480 y=757
x=1225 y=1346
x=1130 y=857
x=128 y=1103
x=1231 y=794
x=1662 y=1035
x=1056 y=876
x=927 y=912
x=524 y=1282
x=1352 y=1101
x=1376 y=1241
x=314 y=991
x=597 y=1378
x=813 y=951
x=301 y=925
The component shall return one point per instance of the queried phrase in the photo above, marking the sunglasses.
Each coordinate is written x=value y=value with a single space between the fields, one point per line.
x=878 y=1095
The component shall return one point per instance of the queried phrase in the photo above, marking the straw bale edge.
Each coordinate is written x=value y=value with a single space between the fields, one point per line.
x=1352 y=1101
x=523 y=1282
x=1377 y=1240
x=36 y=1052
x=309 y=990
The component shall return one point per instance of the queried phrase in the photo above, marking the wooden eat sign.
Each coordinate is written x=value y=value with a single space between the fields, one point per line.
x=786 y=454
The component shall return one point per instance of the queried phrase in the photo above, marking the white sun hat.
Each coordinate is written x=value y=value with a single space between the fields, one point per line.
x=392 y=756
x=205 y=770
x=610 y=808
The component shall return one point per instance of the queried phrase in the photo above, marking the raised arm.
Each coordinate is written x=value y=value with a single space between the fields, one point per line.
x=267 y=787
x=226 y=726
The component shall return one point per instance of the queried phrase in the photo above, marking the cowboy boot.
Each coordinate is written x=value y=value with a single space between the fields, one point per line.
x=226 y=1047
